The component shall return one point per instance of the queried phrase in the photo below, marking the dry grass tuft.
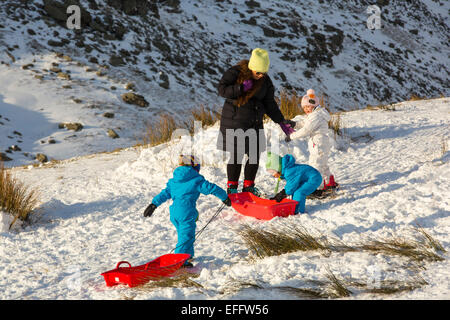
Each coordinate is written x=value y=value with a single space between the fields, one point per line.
x=161 y=131
x=387 y=107
x=415 y=97
x=16 y=198
x=290 y=104
x=415 y=250
x=332 y=287
x=397 y=286
x=206 y=116
x=337 y=286
x=335 y=125
x=444 y=148
x=304 y=293
x=429 y=240
x=183 y=280
x=272 y=242
x=389 y=286
x=266 y=243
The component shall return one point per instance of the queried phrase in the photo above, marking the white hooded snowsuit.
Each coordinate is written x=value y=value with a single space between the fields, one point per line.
x=315 y=126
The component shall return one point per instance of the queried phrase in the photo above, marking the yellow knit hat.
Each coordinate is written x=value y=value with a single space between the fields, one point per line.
x=259 y=61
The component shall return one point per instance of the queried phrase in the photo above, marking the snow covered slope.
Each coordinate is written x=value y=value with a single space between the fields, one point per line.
x=176 y=51
x=394 y=174
x=173 y=53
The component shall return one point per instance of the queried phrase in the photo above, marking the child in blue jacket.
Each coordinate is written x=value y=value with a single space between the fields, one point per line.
x=301 y=179
x=184 y=189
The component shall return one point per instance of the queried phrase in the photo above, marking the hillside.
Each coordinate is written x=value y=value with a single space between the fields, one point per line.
x=173 y=53
x=394 y=172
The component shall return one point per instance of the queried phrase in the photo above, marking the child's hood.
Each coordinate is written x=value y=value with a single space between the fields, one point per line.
x=184 y=173
x=321 y=112
x=287 y=162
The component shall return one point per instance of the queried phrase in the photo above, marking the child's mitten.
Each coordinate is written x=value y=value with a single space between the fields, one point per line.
x=227 y=202
x=149 y=210
x=279 y=196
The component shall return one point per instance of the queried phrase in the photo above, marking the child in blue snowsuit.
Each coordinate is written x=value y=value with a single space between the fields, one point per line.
x=184 y=189
x=301 y=179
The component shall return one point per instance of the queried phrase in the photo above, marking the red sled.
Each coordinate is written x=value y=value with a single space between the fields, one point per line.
x=163 y=266
x=248 y=204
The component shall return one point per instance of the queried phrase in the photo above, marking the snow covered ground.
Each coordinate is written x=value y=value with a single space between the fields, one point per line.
x=393 y=171
x=32 y=109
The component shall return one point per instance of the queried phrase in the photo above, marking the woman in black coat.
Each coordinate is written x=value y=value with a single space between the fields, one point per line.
x=249 y=95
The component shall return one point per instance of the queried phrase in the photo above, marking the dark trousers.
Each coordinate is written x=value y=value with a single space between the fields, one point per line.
x=239 y=143
x=234 y=167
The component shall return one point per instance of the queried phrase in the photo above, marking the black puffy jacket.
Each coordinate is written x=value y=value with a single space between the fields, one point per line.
x=249 y=115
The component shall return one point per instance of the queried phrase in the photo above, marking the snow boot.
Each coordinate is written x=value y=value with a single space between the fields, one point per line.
x=317 y=193
x=232 y=187
x=249 y=186
x=187 y=264
x=331 y=183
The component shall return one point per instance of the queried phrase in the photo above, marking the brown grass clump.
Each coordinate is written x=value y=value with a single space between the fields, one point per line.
x=423 y=248
x=397 y=286
x=385 y=107
x=415 y=97
x=272 y=242
x=16 y=198
x=335 y=125
x=179 y=280
x=161 y=131
x=207 y=117
x=290 y=104
x=183 y=280
x=337 y=286
x=416 y=250
x=266 y=243
x=331 y=287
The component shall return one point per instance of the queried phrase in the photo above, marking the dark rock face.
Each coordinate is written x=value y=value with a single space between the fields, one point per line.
x=41 y=157
x=136 y=99
x=57 y=10
x=135 y=7
x=75 y=126
x=320 y=44
x=4 y=157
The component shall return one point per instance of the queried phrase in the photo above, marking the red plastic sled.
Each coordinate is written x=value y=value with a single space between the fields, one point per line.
x=163 y=266
x=248 y=204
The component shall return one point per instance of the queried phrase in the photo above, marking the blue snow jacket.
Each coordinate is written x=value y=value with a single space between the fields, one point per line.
x=184 y=189
x=301 y=180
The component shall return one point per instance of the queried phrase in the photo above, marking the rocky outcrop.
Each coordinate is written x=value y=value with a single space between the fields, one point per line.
x=75 y=126
x=323 y=44
x=136 y=99
x=135 y=7
x=57 y=11
x=113 y=134
x=4 y=157
x=41 y=157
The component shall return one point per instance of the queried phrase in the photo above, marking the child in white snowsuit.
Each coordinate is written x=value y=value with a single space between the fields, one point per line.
x=315 y=126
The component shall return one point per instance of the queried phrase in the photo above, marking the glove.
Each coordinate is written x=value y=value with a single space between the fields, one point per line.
x=279 y=196
x=286 y=127
x=227 y=202
x=291 y=123
x=248 y=84
x=149 y=210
